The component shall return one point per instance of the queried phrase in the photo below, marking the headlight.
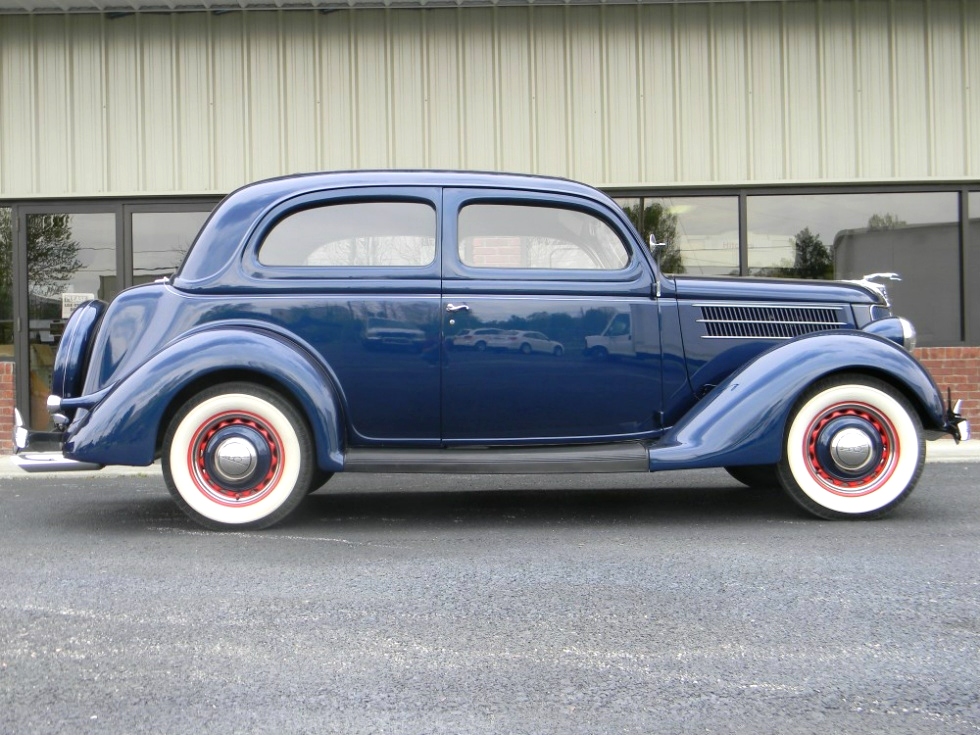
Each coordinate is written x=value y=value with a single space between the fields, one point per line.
x=898 y=329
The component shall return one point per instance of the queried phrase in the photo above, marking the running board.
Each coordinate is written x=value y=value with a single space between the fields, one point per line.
x=51 y=462
x=623 y=457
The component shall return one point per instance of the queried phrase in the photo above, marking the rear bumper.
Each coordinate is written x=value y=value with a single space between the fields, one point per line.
x=40 y=451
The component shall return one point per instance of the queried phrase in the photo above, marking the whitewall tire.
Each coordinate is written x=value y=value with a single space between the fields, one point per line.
x=238 y=456
x=853 y=448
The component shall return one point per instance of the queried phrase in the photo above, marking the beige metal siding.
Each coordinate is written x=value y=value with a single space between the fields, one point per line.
x=639 y=95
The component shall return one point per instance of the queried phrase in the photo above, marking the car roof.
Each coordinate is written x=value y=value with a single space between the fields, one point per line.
x=232 y=220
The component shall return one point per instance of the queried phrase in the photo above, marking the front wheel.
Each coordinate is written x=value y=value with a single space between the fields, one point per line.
x=238 y=456
x=853 y=449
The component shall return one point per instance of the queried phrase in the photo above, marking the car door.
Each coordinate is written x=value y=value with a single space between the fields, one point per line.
x=520 y=262
x=356 y=276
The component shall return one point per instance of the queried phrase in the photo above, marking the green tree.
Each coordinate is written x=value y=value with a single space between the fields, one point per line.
x=52 y=254
x=657 y=220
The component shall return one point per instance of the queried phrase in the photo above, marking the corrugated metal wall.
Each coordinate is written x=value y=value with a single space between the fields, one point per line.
x=612 y=95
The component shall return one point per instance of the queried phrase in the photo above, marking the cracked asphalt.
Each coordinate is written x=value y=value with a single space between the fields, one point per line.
x=672 y=603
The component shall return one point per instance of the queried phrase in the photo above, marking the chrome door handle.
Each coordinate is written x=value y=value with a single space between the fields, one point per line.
x=452 y=308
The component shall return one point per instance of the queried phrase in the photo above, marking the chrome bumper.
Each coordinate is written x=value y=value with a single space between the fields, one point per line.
x=51 y=461
x=959 y=426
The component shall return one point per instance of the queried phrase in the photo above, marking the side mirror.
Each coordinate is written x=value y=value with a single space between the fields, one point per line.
x=655 y=246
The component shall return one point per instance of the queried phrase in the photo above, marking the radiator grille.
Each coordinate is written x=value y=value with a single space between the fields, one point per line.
x=768 y=322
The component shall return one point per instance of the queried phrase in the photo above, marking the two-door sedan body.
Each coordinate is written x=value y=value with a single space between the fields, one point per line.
x=310 y=330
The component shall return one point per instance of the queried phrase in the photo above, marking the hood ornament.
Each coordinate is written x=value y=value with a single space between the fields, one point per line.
x=869 y=283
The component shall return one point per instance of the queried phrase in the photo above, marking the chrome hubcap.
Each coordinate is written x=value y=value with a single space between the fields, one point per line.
x=234 y=459
x=852 y=450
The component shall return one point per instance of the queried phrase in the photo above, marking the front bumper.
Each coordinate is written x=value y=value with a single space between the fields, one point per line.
x=40 y=451
x=959 y=427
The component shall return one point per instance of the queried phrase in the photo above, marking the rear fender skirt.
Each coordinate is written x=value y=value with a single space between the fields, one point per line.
x=741 y=421
x=123 y=427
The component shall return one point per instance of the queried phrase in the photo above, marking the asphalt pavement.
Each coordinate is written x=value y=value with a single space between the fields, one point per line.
x=679 y=602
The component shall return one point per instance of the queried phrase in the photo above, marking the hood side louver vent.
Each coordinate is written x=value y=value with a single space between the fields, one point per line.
x=767 y=322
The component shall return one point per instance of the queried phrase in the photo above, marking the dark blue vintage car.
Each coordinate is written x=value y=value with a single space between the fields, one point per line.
x=312 y=329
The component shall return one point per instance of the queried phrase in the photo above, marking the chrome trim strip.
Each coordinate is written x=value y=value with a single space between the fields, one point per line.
x=770 y=304
x=768 y=321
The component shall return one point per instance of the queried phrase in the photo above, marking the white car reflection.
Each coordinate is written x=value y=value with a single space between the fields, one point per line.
x=478 y=339
x=527 y=342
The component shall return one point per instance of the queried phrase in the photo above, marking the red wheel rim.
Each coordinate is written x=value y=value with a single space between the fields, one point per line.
x=209 y=485
x=878 y=474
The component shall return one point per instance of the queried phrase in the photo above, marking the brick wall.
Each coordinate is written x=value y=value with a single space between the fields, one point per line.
x=957 y=368
x=6 y=406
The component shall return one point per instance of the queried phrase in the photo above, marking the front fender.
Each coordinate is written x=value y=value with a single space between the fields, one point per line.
x=741 y=422
x=122 y=428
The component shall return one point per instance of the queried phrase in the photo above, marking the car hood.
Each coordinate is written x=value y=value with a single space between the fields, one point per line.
x=773 y=289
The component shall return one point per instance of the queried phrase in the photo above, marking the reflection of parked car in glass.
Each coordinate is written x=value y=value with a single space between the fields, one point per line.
x=246 y=374
x=528 y=342
x=479 y=339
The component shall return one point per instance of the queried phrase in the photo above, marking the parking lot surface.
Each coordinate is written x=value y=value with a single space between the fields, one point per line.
x=673 y=603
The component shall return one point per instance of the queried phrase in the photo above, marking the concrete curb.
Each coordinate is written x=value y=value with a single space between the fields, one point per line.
x=943 y=450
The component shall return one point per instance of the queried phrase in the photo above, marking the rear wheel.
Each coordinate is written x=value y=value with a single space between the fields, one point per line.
x=853 y=449
x=238 y=456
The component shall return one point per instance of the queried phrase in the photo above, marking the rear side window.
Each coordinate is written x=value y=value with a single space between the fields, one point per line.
x=521 y=236
x=353 y=234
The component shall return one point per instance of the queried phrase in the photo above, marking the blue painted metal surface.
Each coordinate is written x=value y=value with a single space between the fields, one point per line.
x=376 y=358
x=741 y=421
x=123 y=427
x=71 y=361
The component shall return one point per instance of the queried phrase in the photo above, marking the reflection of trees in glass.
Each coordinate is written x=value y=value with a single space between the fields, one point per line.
x=885 y=222
x=52 y=256
x=6 y=259
x=813 y=258
x=401 y=250
x=656 y=219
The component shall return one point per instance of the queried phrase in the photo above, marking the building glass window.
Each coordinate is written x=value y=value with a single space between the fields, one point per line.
x=70 y=258
x=160 y=241
x=846 y=236
x=6 y=285
x=700 y=233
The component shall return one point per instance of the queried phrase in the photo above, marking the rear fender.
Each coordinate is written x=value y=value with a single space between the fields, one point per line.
x=72 y=358
x=122 y=428
x=741 y=422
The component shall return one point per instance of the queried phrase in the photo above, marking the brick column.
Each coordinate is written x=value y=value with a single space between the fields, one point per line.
x=7 y=404
x=956 y=368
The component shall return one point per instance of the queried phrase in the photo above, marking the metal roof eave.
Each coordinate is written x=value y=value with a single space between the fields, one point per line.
x=127 y=7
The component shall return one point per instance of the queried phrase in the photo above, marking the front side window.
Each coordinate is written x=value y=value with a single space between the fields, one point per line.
x=522 y=236
x=354 y=234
